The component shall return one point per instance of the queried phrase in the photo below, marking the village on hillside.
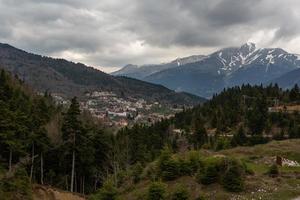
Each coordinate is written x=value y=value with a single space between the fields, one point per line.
x=115 y=111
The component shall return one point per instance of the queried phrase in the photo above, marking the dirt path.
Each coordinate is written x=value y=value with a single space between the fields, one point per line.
x=48 y=193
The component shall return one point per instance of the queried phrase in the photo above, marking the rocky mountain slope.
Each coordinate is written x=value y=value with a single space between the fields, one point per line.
x=141 y=72
x=227 y=67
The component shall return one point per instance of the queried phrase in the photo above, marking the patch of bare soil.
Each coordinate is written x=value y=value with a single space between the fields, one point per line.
x=48 y=193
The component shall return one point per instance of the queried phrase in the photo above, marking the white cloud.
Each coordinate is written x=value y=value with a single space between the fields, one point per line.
x=112 y=33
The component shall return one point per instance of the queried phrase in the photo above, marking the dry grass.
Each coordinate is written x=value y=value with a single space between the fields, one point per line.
x=257 y=186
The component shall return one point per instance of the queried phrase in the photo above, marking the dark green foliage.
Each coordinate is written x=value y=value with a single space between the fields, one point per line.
x=156 y=191
x=16 y=187
x=294 y=131
x=257 y=116
x=273 y=170
x=200 y=135
x=209 y=175
x=180 y=193
x=295 y=93
x=222 y=143
x=107 y=192
x=137 y=172
x=233 y=180
x=23 y=120
x=240 y=138
x=168 y=166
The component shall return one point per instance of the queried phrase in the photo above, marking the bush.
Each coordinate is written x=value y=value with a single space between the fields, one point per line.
x=156 y=191
x=184 y=167
x=209 y=176
x=168 y=167
x=180 y=193
x=136 y=172
x=17 y=187
x=152 y=171
x=273 y=171
x=222 y=143
x=233 y=178
x=107 y=192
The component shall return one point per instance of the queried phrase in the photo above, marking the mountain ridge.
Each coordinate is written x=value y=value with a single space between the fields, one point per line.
x=74 y=79
x=226 y=67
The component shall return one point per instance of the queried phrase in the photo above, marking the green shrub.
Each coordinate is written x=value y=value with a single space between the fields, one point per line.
x=233 y=180
x=181 y=193
x=195 y=161
x=168 y=166
x=223 y=143
x=185 y=167
x=152 y=171
x=156 y=191
x=209 y=175
x=247 y=169
x=107 y=192
x=136 y=172
x=273 y=170
x=169 y=169
x=17 y=187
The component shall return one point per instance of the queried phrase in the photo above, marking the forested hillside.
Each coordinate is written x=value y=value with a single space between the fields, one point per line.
x=45 y=144
x=70 y=79
x=66 y=148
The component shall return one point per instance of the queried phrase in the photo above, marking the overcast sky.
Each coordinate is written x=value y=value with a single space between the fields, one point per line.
x=112 y=33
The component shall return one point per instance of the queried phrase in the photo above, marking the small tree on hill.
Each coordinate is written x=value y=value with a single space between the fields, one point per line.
x=156 y=191
x=181 y=193
x=107 y=192
x=239 y=138
x=71 y=128
x=273 y=171
x=209 y=176
x=168 y=167
x=233 y=178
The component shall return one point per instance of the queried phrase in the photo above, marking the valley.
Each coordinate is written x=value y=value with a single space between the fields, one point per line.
x=149 y=100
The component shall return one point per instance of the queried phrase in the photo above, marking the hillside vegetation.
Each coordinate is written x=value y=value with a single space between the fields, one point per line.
x=255 y=178
x=206 y=152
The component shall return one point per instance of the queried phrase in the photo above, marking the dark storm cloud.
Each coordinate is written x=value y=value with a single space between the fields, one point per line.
x=114 y=32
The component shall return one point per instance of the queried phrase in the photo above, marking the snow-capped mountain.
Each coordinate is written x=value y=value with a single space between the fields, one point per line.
x=206 y=75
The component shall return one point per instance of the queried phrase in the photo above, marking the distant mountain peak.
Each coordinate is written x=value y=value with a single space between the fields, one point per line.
x=247 y=48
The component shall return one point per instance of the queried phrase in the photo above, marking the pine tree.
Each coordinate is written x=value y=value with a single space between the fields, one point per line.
x=71 y=128
x=156 y=191
x=295 y=93
x=233 y=178
x=239 y=138
x=200 y=135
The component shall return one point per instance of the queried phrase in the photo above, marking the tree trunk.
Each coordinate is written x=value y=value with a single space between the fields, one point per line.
x=67 y=187
x=10 y=159
x=83 y=185
x=42 y=169
x=95 y=183
x=32 y=161
x=73 y=171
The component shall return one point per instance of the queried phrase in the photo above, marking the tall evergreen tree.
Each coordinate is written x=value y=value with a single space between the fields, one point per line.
x=71 y=128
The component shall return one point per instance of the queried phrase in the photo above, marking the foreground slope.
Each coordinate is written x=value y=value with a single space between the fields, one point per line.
x=70 y=79
x=258 y=184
